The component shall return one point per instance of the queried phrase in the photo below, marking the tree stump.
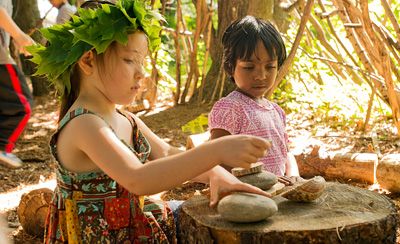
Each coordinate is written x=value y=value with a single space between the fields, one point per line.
x=32 y=210
x=344 y=214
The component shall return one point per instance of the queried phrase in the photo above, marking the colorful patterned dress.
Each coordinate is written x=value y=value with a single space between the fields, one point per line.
x=93 y=208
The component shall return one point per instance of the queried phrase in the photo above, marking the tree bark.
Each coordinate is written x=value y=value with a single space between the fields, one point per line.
x=228 y=11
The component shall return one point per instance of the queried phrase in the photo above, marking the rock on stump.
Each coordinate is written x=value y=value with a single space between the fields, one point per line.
x=343 y=214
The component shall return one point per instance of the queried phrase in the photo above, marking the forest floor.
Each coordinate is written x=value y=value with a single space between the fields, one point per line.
x=165 y=121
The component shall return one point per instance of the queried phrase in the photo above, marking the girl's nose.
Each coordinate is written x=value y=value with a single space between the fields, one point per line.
x=261 y=74
x=139 y=73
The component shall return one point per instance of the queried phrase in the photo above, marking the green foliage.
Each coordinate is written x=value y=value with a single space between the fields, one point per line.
x=93 y=29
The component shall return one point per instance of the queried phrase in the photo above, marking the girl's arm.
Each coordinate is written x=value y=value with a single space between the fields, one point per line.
x=98 y=144
x=160 y=149
x=7 y=23
x=217 y=133
x=291 y=166
x=220 y=180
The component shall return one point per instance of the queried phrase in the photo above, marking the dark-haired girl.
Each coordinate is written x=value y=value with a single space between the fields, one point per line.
x=253 y=53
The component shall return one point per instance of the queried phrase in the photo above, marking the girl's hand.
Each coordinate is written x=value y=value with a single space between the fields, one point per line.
x=22 y=41
x=241 y=150
x=288 y=181
x=223 y=183
x=285 y=180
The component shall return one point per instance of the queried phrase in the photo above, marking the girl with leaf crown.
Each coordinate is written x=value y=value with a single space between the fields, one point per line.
x=108 y=159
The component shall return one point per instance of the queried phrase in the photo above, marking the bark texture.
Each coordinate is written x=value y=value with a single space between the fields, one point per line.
x=343 y=214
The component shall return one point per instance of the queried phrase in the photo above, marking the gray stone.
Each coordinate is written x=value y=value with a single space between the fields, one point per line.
x=264 y=180
x=246 y=207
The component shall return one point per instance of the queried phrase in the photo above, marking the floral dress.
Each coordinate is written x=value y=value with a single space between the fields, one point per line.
x=93 y=208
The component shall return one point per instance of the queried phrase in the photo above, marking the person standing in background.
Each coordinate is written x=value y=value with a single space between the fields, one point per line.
x=15 y=96
x=65 y=10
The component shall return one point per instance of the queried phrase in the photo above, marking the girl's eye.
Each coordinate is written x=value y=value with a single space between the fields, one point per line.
x=248 y=67
x=271 y=66
x=129 y=61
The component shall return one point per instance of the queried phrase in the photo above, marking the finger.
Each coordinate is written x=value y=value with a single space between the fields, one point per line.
x=247 y=160
x=24 y=51
x=261 y=143
x=213 y=196
x=252 y=189
x=285 y=180
x=258 y=153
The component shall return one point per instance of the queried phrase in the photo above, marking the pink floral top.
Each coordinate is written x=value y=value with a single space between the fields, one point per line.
x=239 y=114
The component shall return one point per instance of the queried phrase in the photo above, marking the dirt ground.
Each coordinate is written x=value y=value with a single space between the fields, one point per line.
x=33 y=148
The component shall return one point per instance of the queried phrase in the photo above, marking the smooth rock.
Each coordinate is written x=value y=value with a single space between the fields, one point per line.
x=263 y=180
x=246 y=207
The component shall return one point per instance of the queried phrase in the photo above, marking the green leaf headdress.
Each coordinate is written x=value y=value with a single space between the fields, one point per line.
x=92 y=29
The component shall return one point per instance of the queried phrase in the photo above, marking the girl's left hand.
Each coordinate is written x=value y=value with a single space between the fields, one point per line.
x=224 y=183
x=289 y=180
x=23 y=40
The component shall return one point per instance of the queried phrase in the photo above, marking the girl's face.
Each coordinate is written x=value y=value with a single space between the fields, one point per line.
x=257 y=75
x=124 y=68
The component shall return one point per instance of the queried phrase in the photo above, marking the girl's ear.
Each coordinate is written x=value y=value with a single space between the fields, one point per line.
x=86 y=62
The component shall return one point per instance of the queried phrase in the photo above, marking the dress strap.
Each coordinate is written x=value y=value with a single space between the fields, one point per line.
x=74 y=113
x=135 y=131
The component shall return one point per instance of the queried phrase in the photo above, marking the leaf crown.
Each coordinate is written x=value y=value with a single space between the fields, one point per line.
x=92 y=29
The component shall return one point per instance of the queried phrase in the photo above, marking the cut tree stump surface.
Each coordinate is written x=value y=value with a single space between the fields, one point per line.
x=343 y=214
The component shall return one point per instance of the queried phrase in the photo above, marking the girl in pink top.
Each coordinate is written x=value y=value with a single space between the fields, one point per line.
x=253 y=53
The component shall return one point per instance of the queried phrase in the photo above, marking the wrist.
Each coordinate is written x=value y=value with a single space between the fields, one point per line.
x=211 y=152
x=19 y=36
x=216 y=151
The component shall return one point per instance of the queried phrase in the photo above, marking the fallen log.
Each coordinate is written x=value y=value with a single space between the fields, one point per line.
x=344 y=214
x=388 y=172
x=355 y=166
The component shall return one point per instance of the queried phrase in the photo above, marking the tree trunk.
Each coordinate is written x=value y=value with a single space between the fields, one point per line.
x=228 y=11
x=343 y=214
x=26 y=15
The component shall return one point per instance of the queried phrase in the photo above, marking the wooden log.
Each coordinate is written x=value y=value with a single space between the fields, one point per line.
x=355 y=166
x=343 y=214
x=388 y=172
x=32 y=210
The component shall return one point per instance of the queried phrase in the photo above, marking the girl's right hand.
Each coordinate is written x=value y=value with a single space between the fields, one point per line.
x=241 y=150
x=23 y=40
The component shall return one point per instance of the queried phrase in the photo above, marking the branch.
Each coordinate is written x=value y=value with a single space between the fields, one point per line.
x=392 y=18
x=288 y=62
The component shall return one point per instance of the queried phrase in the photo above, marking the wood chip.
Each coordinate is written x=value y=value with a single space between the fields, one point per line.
x=254 y=168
